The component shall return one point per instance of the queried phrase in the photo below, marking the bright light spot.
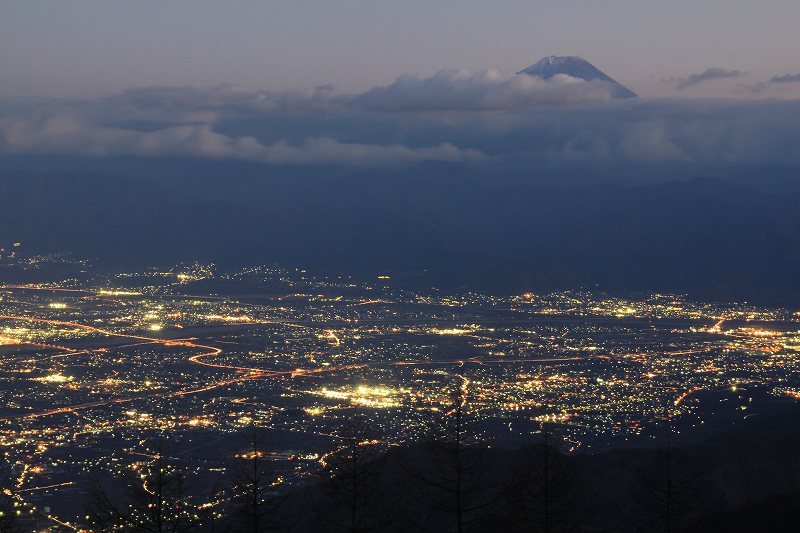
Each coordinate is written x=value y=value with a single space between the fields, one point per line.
x=463 y=330
x=105 y=292
x=230 y=318
x=378 y=397
x=7 y=340
x=756 y=332
x=54 y=378
x=334 y=394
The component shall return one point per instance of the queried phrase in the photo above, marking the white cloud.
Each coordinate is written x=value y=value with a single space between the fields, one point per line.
x=462 y=90
x=650 y=142
x=452 y=116
x=62 y=134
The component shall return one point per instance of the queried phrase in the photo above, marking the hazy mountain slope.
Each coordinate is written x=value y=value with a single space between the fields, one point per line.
x=704 y=236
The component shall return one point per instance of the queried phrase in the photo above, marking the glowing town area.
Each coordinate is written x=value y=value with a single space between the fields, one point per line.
x=97 y=365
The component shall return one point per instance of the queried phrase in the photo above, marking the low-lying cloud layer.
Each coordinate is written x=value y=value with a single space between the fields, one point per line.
x=452 y=116
x=488 y=90
x=65 y=135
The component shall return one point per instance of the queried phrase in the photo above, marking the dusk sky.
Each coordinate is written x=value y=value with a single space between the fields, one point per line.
x=87 y=48
x=400 y=83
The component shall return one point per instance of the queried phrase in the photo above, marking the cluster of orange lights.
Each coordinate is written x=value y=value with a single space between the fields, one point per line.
x=756 y=332
x=7 y=341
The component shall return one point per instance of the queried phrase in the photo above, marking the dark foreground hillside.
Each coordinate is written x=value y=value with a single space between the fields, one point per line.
x=744 y=480
x=707 y=237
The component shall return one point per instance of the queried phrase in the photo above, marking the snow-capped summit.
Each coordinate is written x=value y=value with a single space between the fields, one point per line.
x=577 y=67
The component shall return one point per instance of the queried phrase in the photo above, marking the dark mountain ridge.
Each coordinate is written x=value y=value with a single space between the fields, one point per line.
x=705 y=236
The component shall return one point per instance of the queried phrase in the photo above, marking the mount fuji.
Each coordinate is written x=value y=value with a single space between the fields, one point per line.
x=577 y=67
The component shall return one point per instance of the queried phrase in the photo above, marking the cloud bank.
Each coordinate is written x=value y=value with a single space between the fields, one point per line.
x=66 y=135
x=487 y=90
x=458 y=116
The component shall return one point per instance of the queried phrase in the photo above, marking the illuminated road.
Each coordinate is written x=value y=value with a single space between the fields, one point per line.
x=599 y=374
x=206 y=351
x=206 y=354
x=251 y=373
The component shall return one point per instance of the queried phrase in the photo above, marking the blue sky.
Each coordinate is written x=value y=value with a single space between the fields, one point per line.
x=91 y=47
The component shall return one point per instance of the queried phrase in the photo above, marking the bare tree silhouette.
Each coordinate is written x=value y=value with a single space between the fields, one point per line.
x=155 y=501
x=544 y=493
x=254 y=502
x=353 y=494
x=455 y=477
x=668 y=495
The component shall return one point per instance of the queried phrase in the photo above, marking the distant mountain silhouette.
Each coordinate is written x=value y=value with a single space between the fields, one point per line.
x=577 y=67
x=430 y=226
